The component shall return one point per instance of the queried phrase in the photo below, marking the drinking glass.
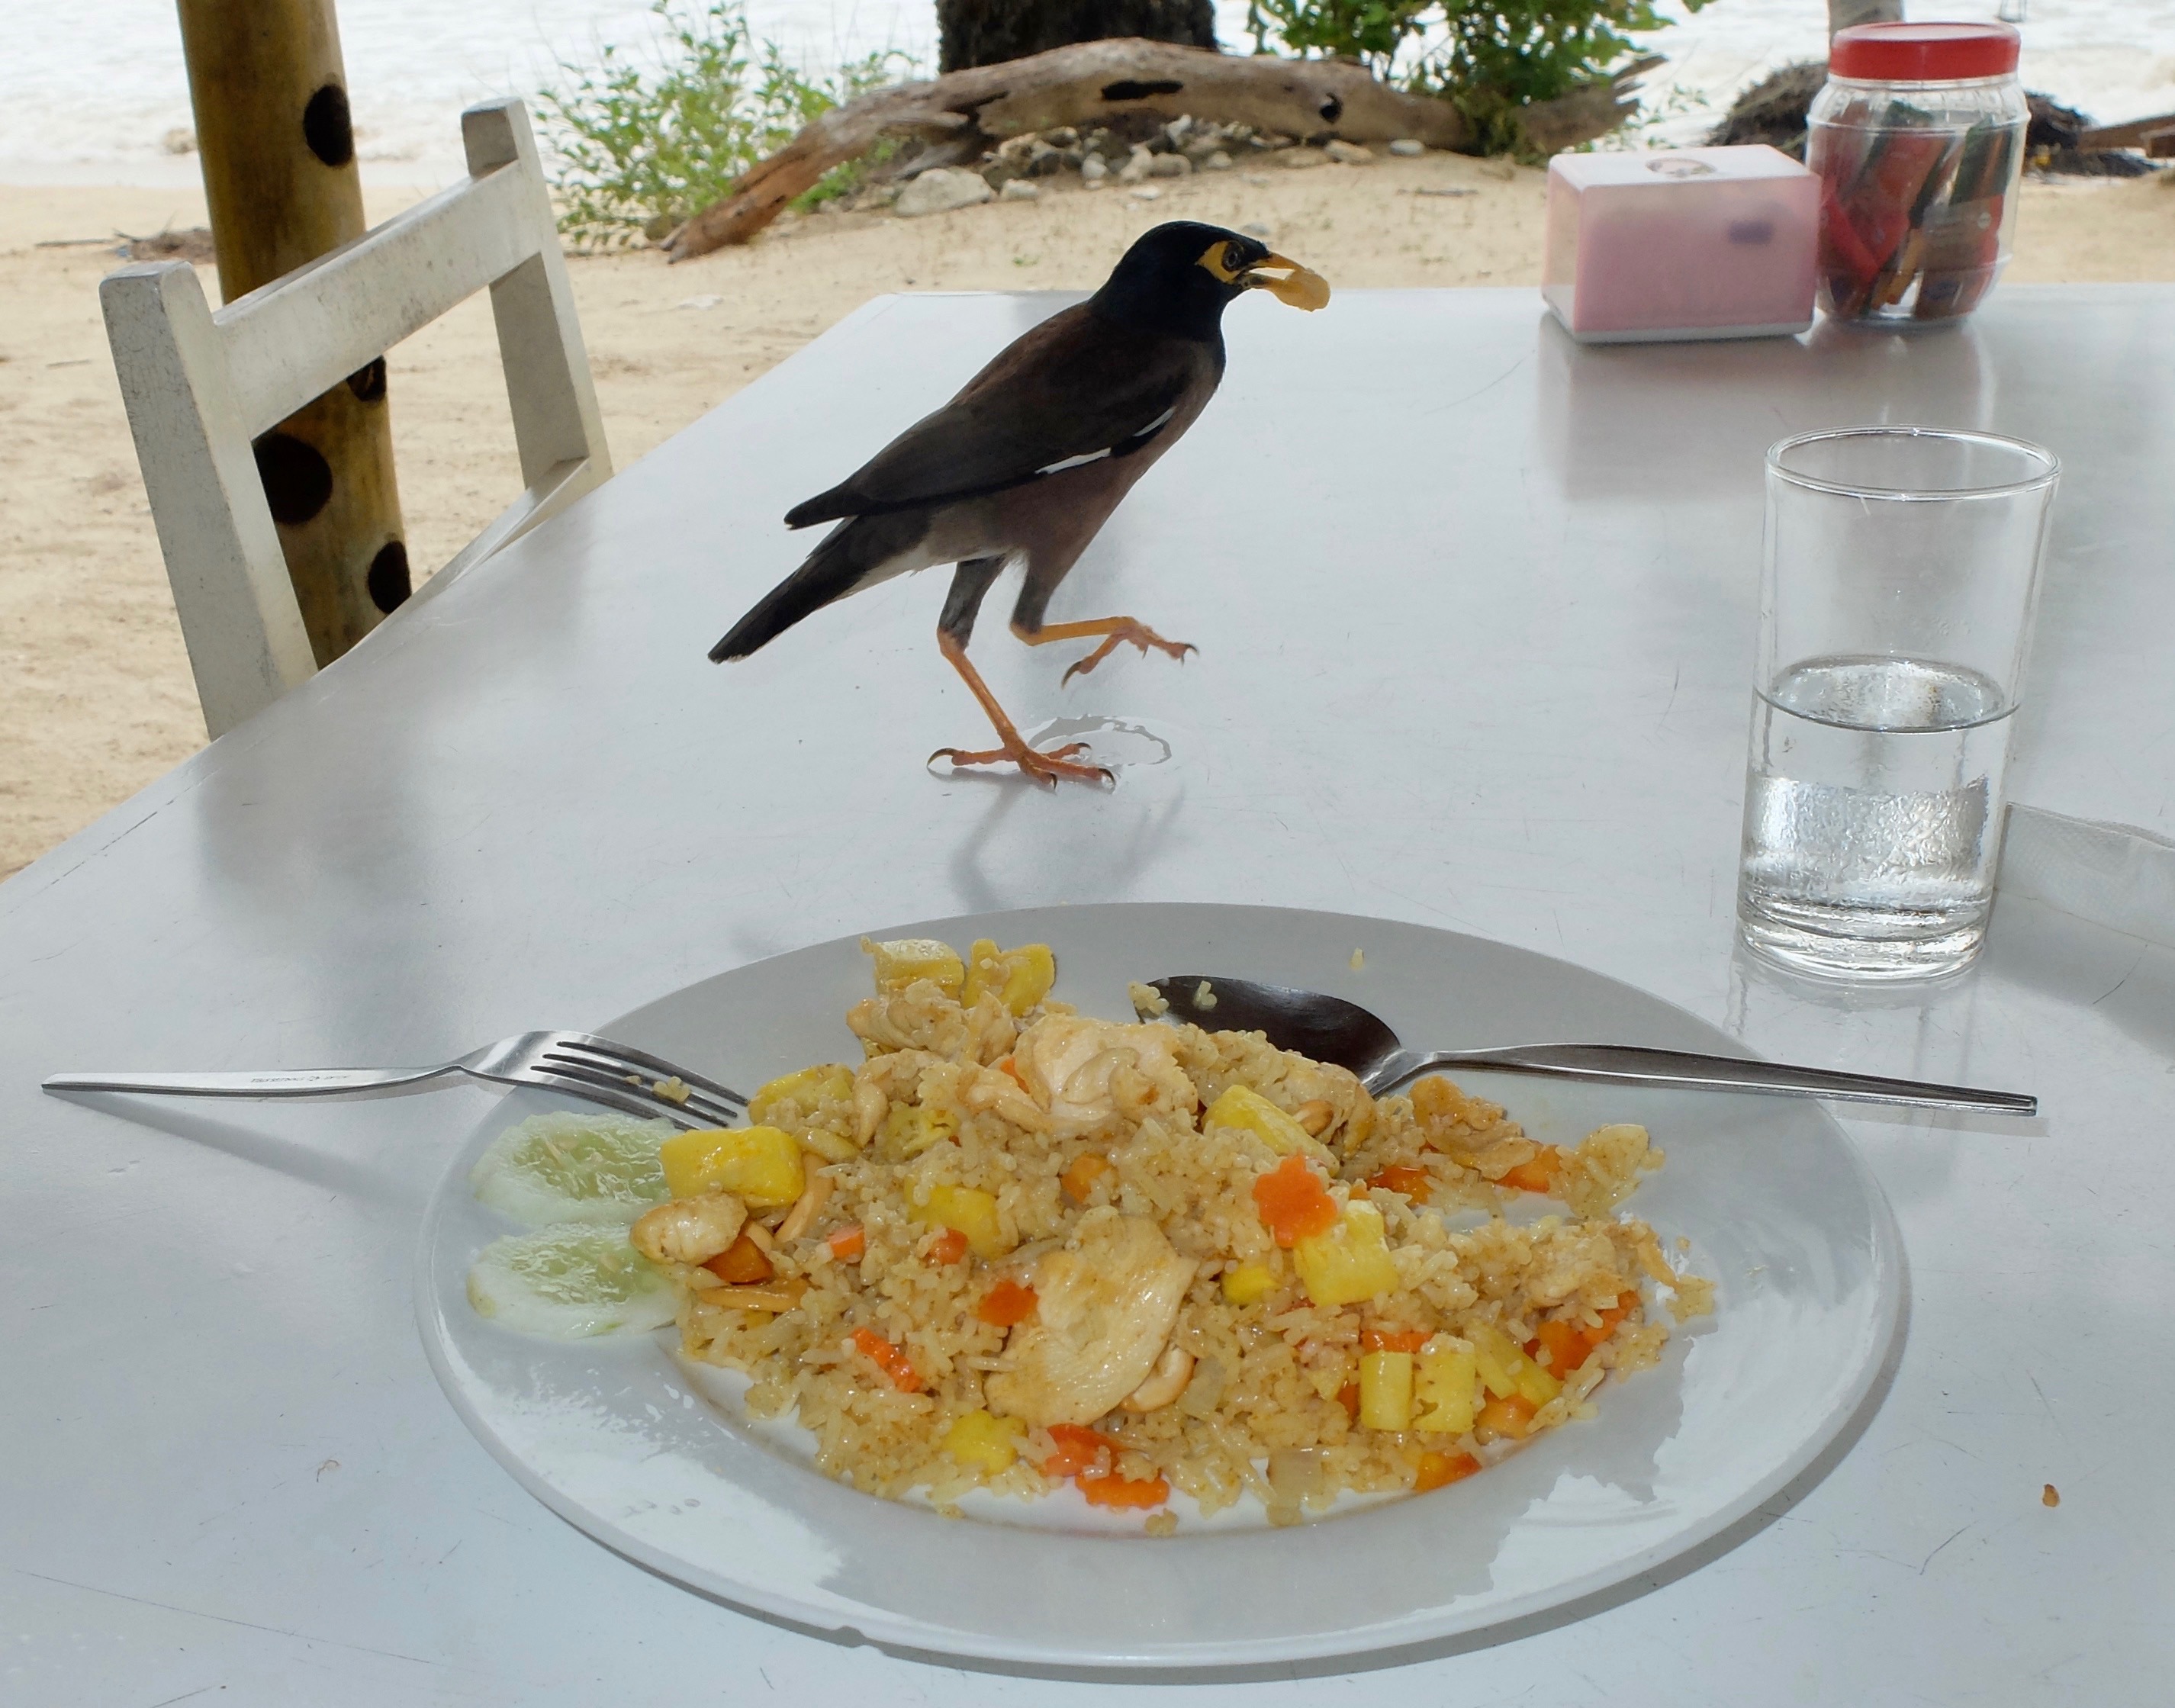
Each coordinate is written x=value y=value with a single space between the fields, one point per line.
x=1901 y=571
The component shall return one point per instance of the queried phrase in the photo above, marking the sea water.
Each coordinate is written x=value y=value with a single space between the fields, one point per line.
x=1872 y=816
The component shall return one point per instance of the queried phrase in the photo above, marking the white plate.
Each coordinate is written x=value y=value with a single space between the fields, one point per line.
x=615 y=1437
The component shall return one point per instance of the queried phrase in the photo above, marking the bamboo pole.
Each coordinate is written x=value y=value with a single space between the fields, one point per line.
x=278 y=148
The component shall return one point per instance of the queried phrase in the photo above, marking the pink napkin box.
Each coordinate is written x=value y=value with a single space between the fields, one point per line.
x=1682 y=244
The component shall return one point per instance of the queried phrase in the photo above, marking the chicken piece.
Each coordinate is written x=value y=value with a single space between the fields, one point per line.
x=1104 y=1310
x=689 y=1230
x=1085 y=1072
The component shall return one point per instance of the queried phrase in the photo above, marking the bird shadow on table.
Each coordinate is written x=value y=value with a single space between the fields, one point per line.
x=1070 y=867
x=302 y=1162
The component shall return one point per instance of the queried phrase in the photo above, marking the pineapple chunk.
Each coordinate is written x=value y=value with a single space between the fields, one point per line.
x=1386 y=1390
x=807 y=1089
x=1250 y=1283
x=761 y=1164
x=969 y=1211
x=909 y=1129
x=905 y=959
x=1507 y=1370
x=1243 y=1106
x=983 y=1443
x=1444 y=1386
x=1019 y=977
x=1350 y=1262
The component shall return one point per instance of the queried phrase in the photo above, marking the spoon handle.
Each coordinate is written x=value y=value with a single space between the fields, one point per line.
x=1625 y=1064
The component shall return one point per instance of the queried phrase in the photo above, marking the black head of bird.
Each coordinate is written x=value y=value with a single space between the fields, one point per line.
x=1028 y=461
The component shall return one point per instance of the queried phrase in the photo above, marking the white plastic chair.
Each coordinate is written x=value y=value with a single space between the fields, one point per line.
x=200 y=387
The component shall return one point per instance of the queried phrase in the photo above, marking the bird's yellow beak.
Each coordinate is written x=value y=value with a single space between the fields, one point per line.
x=1286 y=281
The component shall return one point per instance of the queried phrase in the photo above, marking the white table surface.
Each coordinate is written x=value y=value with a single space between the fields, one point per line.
x=1476 y=611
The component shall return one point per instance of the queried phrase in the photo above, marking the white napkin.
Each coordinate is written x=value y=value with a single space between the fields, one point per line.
x=2112 y=874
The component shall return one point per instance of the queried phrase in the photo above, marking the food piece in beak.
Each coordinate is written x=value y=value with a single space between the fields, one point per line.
x=1300 y=286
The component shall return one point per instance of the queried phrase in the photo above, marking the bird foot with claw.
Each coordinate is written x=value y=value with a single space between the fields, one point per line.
x=1043 y=767
x=1142 y=636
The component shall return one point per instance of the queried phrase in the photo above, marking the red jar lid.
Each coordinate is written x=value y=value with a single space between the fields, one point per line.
x=1922 y=53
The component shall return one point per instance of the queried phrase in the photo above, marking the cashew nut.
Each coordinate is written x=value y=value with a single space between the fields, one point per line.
x=1165 y=1383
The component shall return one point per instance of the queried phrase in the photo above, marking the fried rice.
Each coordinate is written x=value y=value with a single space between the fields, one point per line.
x=1026 y=1248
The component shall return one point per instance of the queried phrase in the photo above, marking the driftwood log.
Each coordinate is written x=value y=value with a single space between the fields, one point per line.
x=1084 y=85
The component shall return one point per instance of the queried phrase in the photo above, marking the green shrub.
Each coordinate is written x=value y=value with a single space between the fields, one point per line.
x=634 y=148
x=1490 y=57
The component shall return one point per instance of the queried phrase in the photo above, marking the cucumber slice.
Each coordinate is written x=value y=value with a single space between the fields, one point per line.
x=569 y=1283
x=591 y=1167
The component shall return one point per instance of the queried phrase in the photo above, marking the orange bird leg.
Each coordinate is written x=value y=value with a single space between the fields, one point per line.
x=1046 y=767
x=1115 y=631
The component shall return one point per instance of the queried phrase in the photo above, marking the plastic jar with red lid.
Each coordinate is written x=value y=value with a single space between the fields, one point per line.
x=1918 y=140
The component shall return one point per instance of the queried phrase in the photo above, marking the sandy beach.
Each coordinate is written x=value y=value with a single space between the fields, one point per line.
x=98 y=698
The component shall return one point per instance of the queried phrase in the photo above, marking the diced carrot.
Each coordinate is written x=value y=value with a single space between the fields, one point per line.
x=1610 y=1318
x=1438 y=1469
x=1079 y=1180
x=1416 y=1183
x=1538 y=1173
x=1392 y=1340
x=1009 y=1069
x=888 y=1359
x=947 y=1247
x=1348 y=1397
x=1565 y=1344
x=741 y=1263
x=1006 y=1303
x=1292 y=1201
x=1511 y=1416
x=850 y=1242
x=1123 y=1491
x=1078 y=1449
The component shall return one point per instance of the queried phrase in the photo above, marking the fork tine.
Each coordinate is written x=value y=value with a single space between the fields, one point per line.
x=611 y=1054
x=622 y=1097
x=711 y=1113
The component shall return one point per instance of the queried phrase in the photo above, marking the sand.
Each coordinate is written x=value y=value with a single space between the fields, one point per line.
x=96 y=698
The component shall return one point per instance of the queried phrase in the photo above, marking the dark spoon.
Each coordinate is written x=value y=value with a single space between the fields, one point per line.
x=1329 y=1029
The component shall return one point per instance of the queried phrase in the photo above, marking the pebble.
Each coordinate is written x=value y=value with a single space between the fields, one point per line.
x=1019 y=190
x=1218 y=162
x=1297 y=160
x=702 y=302
x=1146 y=194
x=1093 y=169
x=1347 y=153
x=940 y=189
x=1408 y=147
x=1170 y=166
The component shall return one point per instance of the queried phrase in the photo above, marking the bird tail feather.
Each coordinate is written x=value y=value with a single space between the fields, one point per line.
x=861 y=552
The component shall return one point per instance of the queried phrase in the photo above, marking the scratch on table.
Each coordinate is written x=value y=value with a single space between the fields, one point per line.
x=226 y=1620
x=185 y=1694
x=1952 y=1536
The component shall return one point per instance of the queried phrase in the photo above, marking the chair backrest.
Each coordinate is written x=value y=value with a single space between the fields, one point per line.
x=200 y=387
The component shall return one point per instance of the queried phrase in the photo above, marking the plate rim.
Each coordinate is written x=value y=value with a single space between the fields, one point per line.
x=1887 y=1264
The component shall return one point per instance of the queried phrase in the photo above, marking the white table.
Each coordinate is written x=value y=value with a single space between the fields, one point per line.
x=1476 y=612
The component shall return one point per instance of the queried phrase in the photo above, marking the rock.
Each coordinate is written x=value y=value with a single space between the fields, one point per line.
x=1347 y=153
x=1408 y=147
x=940 y=189
x=179 y=141
x=702 y=304
x=1299 y=159
x=1000 y=171
x=1020 y=190
x=1218 y=162
x=1093 y=169
x=1042 y=160
x=1170 y=166
x=1146 y=194
x=1064 y=137
x=1136 y=168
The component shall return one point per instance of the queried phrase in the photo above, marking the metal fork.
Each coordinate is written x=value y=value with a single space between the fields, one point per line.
x=577 y=1063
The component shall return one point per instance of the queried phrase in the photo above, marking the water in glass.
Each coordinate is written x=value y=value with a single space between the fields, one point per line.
x=1872 y=813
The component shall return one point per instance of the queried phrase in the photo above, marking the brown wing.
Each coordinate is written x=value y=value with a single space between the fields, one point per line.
x=1074 y=387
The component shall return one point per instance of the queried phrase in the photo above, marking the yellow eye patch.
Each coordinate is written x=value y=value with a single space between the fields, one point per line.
x=1224 y=260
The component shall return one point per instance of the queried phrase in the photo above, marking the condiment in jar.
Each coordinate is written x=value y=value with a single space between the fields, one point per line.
x=1918 y=140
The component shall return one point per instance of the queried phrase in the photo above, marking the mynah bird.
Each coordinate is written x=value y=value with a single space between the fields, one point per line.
x=1028 y=461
